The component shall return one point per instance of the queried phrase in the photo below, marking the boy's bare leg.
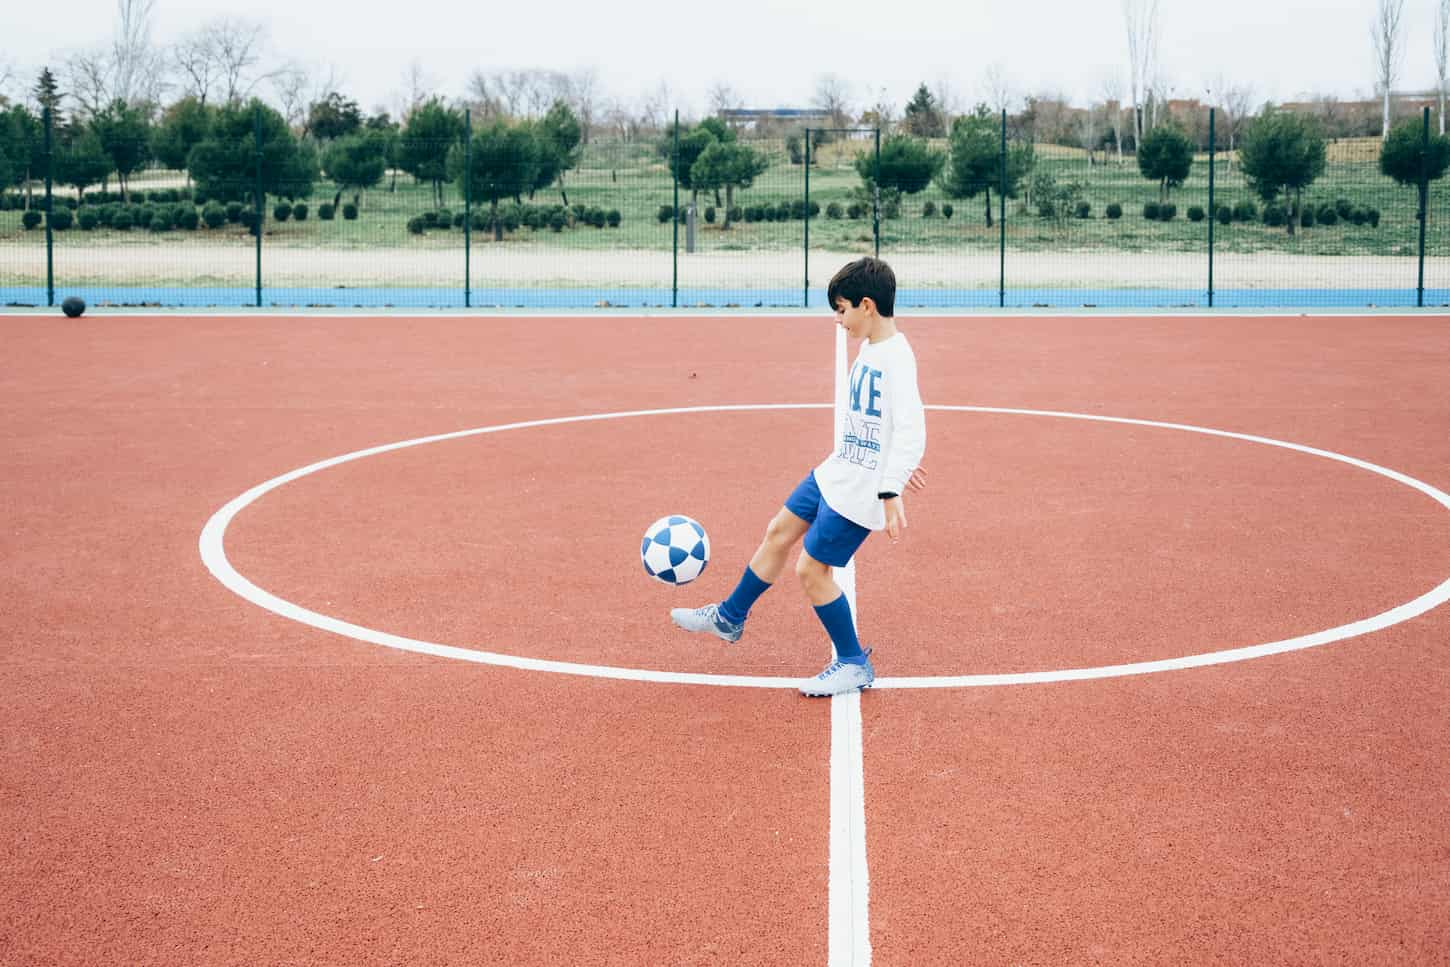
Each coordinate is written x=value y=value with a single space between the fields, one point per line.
x=783 y=533
x=816 y=580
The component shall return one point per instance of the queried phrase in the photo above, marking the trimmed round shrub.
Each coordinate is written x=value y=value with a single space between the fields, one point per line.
x=754 y=213
x=416 y=225
x=30 y=219
x=1167 y=211
x=105 y=214
x=143 y=214
x=281 y=211
x=1326 y=214
x=122 y=220
x=1344 y=208
x=709 y=214
x=234 y=212
x=1224 y=214
x=1113 y=211
x=597 y=217
x=430 y=219
x=459 y=218
x=87 y=219
x=1373 y=214
x=1306 y=216
x=834 y=210
x=349 y=211
x=299 y=212
x=1195 y=213
x=1358 y=215
x=855 y=210
x=734 y=214
x=947 y=210
x=325 y=211
x=445 y=218
x=928 y=209
x=1274 y=215
x=664 y=213
x=162 y=219
x=214 y=215
x=188 y=219
x=612 y=218
x=61 y=220
x=557 y=219
x=815 y=209
x=1246 y=211
x=1083 y=210
x=1151 y=211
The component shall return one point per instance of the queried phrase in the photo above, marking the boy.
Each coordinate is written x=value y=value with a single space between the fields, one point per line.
x=855 y=490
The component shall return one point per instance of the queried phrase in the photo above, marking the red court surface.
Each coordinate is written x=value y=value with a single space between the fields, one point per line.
x=189 y=778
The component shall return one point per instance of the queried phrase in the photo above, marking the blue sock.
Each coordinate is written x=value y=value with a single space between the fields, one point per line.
x=836 y=616
x=736 y=608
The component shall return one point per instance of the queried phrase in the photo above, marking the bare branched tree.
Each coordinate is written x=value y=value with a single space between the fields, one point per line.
x=418 y=86
x=998 y=87
x=833 y=95
x=722 y=97
x=88 y=75
x=1385 y=31
x=1140 y=17
x=1111 y=88
x=657 y=107
x=1442 y=53
x=584 y=97
x=289 y=83
x=236 y=47
x=195 y=64
x=137 y=63
x=481 y=97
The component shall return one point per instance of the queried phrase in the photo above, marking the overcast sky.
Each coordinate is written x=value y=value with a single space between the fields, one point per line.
x=772 y=52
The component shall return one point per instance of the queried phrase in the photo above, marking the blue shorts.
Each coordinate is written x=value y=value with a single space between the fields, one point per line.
x=832 y=539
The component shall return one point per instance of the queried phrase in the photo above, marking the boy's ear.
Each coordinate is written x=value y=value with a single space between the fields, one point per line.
x=868 y=305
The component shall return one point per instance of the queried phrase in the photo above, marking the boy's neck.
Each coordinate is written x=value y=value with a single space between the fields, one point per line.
x=883 y=330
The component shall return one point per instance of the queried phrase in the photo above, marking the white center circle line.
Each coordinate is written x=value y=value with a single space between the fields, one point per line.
x=213 y=555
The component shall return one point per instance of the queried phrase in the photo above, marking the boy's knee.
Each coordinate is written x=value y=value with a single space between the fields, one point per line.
x=811 y=571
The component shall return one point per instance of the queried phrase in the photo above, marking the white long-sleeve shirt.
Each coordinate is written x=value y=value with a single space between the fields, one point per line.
x=883 y=435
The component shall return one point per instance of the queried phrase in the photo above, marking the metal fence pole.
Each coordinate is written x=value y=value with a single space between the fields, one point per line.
x=1212 y=211
x=806 y=248
x=876 y=197
x=1002 y=220
x=1424 y=203
x=467 y=208
x=49 y=205
x=257 y=198
x=675 y=220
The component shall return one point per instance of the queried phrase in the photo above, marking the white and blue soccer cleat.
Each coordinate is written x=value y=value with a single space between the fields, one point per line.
x=840 y=677
x=707 y=619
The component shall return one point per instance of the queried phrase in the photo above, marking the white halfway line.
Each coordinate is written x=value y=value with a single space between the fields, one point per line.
x=848 y=935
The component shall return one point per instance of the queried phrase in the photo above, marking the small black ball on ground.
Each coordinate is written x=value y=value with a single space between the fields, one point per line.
x=73 y=305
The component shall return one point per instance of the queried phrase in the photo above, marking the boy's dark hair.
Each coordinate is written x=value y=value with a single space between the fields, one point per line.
x=862 y=278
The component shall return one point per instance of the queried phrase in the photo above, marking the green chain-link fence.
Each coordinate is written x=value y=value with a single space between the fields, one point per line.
x=760 y=222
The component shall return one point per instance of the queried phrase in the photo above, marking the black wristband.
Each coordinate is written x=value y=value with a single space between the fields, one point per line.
x=886 y=495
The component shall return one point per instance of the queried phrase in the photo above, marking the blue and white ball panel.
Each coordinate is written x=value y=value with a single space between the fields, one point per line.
x=675 y=549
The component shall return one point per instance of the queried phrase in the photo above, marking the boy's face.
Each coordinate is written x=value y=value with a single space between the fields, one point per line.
x=856 y=320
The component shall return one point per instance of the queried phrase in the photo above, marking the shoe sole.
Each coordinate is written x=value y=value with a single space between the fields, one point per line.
x=858 y=688
x=705 y=631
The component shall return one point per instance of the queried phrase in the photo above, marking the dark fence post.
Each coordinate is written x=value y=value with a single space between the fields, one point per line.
x=675 y=219
x=49 y=206
x=806 y=248
x=1212 y=212
x=1002 y=220
x=257 y=214
x=467 y=208
x=876 y=196
x=1424 y=202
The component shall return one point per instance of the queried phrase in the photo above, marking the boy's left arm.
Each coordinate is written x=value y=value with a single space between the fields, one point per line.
x=908 y=444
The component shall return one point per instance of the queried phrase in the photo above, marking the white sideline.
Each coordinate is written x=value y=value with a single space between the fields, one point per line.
x=849 y=937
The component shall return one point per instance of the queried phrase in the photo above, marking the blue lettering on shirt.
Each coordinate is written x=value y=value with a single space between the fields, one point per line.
x=859 y=377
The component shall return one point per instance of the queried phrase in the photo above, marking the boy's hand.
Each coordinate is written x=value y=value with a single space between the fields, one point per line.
x=917 y=480
x=895 y=517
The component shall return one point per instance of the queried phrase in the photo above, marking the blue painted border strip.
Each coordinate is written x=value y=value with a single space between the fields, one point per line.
x=580 y=298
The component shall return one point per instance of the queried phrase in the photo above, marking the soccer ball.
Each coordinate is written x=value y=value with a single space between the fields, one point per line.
x=675 y=550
